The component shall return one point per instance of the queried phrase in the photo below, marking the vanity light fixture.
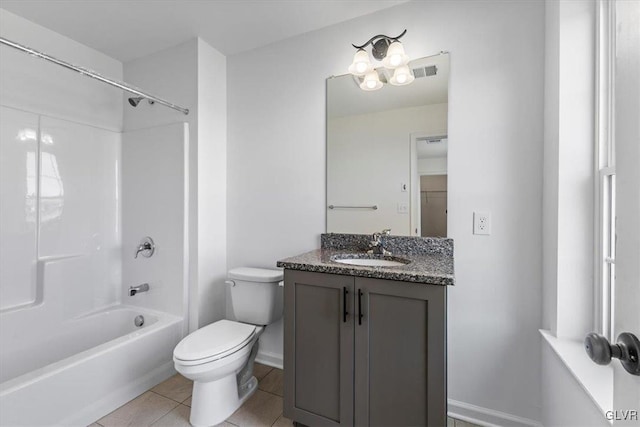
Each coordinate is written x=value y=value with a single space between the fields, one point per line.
x=390 y=51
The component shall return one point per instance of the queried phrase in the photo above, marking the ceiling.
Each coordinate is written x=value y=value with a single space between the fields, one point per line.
x=130 y=29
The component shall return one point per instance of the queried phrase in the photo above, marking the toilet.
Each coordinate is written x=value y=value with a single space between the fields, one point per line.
x=219 y=357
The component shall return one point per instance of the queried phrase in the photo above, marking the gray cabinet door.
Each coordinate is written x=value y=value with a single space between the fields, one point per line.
x=400 y=354
x=318 y=353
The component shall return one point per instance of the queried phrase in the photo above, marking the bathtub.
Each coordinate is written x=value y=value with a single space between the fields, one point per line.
x=79 y=370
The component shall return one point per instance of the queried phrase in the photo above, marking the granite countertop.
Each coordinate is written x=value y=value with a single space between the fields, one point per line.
x=431 y=259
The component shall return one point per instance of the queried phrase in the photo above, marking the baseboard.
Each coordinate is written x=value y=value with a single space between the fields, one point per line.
x=109 y=403
x=270 y=359
x=486 y=417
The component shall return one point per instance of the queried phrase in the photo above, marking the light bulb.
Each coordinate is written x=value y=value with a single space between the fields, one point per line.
x=395 y=60
x=371 y=81
x=361 y=64
x=395 y=56
x=402 y=76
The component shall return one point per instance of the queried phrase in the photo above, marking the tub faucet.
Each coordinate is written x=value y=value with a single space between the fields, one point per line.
x=140 y=288
x=376 y=245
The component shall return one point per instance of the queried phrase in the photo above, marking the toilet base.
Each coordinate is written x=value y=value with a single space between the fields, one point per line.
x=213 y=402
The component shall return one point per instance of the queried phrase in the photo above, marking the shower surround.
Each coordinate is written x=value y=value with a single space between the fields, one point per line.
x=76 y=196
x=66 y=319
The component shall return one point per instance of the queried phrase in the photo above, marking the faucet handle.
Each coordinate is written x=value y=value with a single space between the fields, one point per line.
x=379 y=234
x=147 y=247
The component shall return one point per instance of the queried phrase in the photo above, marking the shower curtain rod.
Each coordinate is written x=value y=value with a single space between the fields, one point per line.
x=93 y=75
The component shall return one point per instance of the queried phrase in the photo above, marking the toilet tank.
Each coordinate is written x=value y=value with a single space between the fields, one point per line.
x=256 y=295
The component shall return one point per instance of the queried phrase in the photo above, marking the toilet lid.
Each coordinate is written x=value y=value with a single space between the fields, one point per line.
x=223 y=336
x=252 y=274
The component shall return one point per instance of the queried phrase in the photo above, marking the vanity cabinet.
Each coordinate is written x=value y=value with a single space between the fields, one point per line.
x=365 y=352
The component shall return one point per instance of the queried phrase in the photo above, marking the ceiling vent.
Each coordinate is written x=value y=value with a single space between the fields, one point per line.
x=431 y=70
x=436 y=139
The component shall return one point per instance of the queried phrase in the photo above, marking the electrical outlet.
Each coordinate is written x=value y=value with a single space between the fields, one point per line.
x=482 y=223
x=403 y=208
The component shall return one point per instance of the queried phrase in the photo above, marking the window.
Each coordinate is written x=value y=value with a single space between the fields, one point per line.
x=605 y=212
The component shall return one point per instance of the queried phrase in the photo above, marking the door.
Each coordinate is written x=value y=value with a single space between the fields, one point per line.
x=400 y=354
x=318 y=353
x=627 y=148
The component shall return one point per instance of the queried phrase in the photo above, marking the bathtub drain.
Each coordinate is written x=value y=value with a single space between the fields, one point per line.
x=139 y=320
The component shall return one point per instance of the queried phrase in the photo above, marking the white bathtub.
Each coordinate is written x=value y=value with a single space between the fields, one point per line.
x=79 y=370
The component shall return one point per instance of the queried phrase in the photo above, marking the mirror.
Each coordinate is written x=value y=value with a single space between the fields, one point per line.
x=387 y=153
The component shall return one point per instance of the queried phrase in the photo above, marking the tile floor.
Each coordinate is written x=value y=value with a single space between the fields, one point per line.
x=168 y=405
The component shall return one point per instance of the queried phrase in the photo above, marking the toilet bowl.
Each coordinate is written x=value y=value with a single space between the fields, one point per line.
x=219 y=357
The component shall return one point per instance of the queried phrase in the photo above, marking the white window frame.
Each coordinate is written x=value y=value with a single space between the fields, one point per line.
x=604 y=253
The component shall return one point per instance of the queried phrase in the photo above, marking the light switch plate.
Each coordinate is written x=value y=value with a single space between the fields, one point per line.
x=482 y=223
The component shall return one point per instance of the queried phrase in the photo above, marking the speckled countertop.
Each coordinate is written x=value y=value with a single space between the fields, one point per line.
x=431 y=259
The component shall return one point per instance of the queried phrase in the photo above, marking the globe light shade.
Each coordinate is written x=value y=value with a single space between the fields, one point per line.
x=402 y=76
x=371 y=81
x=395 y=56
x=361 y=64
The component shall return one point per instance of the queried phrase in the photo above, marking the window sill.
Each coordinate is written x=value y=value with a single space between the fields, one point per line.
x=596 y=380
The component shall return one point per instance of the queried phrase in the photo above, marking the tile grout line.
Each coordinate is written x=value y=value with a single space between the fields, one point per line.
x=167 y=397
x=271 y=393
x=166 y=413
x=150 y=425
x=279 y=416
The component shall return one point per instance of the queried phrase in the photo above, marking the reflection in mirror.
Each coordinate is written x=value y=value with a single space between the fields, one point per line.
x=387 y=153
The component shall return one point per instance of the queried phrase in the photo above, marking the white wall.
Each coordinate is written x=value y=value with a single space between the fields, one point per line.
x=372 y=153
x=170 y=74
x=564 y=401
x=276 y=163
x=60 y=146
x=153 y=204
x=38 y=86
x=432 y=166
x=212 y=183
x=550 y=164
x=192 y=75
x=576 y=169
x=568 y=202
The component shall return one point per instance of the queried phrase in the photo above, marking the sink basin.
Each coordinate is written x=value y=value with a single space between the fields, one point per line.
x=370 y=260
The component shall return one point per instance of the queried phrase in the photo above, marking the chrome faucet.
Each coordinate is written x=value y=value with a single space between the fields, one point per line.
x=147 y=247
x=140 y=288
x=376 y=244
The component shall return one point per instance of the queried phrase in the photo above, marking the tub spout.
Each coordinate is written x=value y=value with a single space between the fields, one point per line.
x=140 y=288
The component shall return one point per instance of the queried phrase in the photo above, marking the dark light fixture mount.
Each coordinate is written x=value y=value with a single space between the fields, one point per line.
x=380 y=44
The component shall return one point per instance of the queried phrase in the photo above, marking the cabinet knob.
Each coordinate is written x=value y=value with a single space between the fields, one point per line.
x=627 y=349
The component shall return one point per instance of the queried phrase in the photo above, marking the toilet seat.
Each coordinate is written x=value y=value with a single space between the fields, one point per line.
x=213 y=342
